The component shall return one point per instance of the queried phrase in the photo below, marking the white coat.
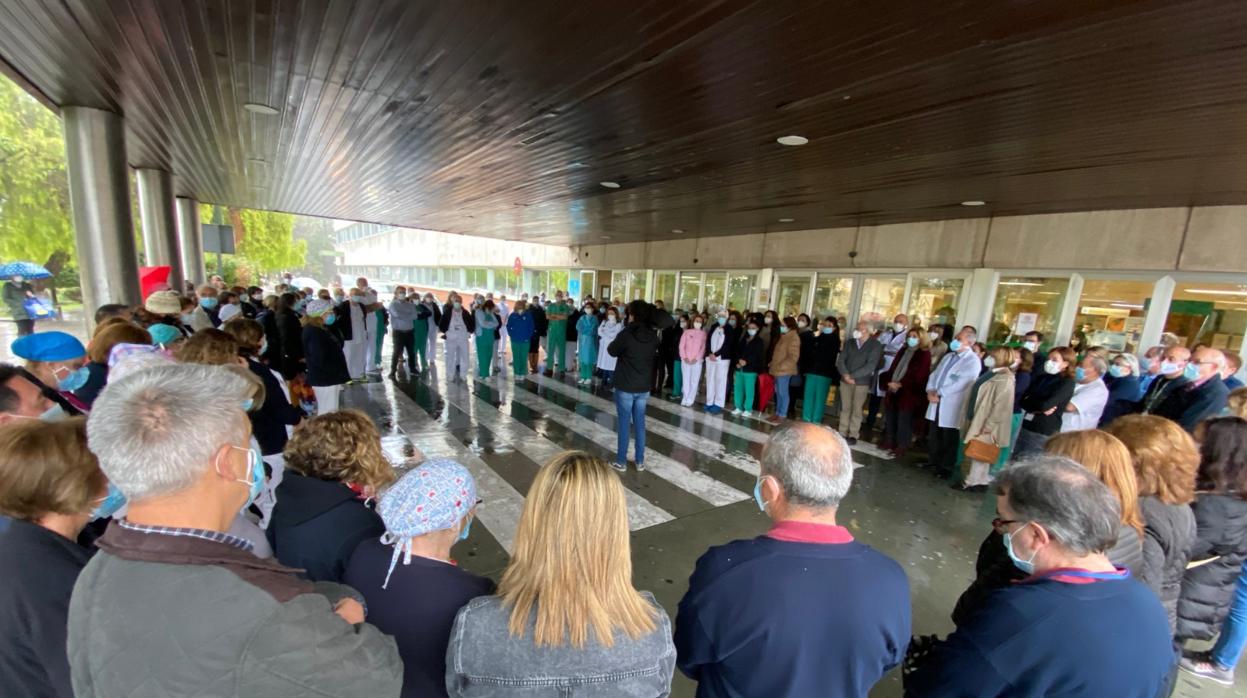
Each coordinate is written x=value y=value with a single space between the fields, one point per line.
x=953 y=385
x=606 y=334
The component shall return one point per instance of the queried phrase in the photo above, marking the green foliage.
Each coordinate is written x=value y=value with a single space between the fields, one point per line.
x=34 y=191
x=267 y=241
x=321 y=254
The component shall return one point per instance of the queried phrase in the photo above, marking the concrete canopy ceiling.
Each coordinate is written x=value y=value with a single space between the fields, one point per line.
x=502 y=118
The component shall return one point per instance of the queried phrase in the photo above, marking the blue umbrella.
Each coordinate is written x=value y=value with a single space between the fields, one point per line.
x=30 y=270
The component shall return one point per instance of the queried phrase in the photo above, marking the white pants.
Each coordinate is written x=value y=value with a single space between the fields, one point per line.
x=432 y=348
x=457 y=355
x=327 y=398
x=370 y=342
x=354 y=351
x=716 y=382
x=500 y=352
x=691 y=373
x=980 y=474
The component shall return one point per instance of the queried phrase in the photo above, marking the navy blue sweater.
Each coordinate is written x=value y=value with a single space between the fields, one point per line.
x=1052 y=638
x=770 y=618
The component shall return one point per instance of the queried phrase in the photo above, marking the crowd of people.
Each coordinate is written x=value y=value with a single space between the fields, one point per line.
x=188 y=510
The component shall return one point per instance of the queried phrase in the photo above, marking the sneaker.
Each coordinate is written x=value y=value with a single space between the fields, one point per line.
x=736 y=413
x=1205 y=668
x=640 y=467
x=621 y=467
x=746 y=413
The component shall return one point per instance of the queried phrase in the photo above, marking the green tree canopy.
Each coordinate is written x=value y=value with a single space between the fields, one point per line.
x=34 y=192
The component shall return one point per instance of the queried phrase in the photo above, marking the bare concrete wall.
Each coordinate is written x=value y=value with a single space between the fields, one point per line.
x=1130 y=239
x=1216 y=240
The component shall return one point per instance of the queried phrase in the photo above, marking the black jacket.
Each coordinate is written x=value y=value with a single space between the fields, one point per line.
x=752 y=350
x=290 y=341
x=994 y=570
x=1190 y=404
x=540 y=323
x=1208 y=590
x=326 y=364
x=273 y=355
x=1123 y=394
x=730 y=337
x=40 y=568
x=343 y=328
x=268 y=424
x=1168 y=536
x=1158 y=391
x=572 y=319
x=468 y=319
x=669 y=344
x=248 y=309
x=317 y=524
x=635 y=348
x=807 y=350
x=97 y=377
x=1046 y=392
x=824 y=351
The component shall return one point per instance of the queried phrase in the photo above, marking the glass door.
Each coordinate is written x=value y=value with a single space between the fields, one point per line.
x=833 y=296
x=882 y=299
x=792 y=294
x=688 y=293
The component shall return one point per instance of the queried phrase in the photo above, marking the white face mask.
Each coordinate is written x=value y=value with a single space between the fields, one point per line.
x=767 y=319
x=898 y=326
x=857 y=334
x=802 y=324
x=697 y=325
x=933 y=336
x=683 y=324
x=990 y=362
x=1032 y=346
x=1051 y=367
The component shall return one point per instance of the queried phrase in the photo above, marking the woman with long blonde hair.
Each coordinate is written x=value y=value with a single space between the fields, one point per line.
x=566 y=614
x=1106 y=457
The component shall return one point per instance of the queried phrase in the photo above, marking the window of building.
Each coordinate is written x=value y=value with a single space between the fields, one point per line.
x=1024 y=304
x=664 y=288
x=689 y=295
x=619 y=285
x=740 y=290
x=833 y=295
x=792 y=291
x=1209 y=313
x=476 y=279
x=636 y=285
x=882 y=299
x=1111 y=314
x=933 y=300
x=507 y=281
x=714 y=287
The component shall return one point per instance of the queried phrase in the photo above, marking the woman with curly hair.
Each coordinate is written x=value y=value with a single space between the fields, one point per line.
x=1165 y=461
x=334 y=469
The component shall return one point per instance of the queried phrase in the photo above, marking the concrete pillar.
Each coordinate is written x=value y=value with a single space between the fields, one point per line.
x=1069 y=311
x=980 y=297
x=99 y=198
x=1157 y=313
x=190 y=237
x=160 y=235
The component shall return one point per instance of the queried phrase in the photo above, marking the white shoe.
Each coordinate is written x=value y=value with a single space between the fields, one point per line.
x=736 y=413
x=746 y=413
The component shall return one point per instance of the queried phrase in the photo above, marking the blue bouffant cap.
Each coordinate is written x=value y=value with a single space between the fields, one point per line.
x=432 y=497
x=48 y=346
x=164 y=334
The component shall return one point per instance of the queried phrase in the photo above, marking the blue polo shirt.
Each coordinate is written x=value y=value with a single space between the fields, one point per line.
x=802 y=611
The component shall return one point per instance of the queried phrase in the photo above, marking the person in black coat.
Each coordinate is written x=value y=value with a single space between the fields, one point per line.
x=1202 y=397
x=269 y=419
x=750 y=361
x=1221 y=529
x=1045 y=401
x=324 y=360
x=38 y=552
x=668 y=352
x=635 y=349
x=334 y=466
x=540 y=325
x=290 y=336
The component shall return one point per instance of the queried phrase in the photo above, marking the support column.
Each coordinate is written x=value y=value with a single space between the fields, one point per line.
x=99 y=200
x=1157 y=313
x=980 y=297
x=190 y=238
x=160 y=235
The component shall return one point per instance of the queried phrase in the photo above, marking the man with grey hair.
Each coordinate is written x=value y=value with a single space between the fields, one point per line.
x=1084 y=409
x=175 y=605
x=1076 y=625
x=803 y=610
x=948 y=388
x=1203 y=395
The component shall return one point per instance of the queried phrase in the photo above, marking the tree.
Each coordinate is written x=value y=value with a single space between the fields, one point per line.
x=34 y=190
x=263 y=242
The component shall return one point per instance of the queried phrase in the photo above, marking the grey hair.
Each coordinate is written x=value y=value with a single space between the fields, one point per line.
x=155 y=431
x=812 y=463
x=1099 y=364
x=1131 y=360
x=1076 y=508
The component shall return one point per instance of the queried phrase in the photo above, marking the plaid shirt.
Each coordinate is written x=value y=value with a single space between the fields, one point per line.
x=215 y=536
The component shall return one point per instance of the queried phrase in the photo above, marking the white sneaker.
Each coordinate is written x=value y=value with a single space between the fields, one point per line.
x=736 y=413
x=746 y=413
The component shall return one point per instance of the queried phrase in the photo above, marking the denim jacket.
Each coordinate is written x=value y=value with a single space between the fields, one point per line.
x=484 y=660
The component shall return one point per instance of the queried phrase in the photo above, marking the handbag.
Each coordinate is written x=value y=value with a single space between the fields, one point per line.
x=38 y=309
x=982 y=451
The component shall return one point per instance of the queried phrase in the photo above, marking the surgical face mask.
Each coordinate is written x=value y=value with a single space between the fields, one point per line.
x=611 y=319
x=898 y=326
x=1117 y=371
x=55 y=413
x=767 y=320
x=1167 y=367
x=857 y=334
x=187 y=318
x=257 y=297
x=731 y=321
x=1191 y=372
x=683 y=324
x=752 y=331
x=1027 y=566
x=802 y=324
x=911 y=342
x=109 y=504
x=1080 y=374
x=933 y=336
x=828 y=330
x=18 y=279
x=783 y=329
x=1051 y=367
x=338 y=297
x=255 y=464
x=458 y=305
x=954 y=345
x=989 y=362
x=73 y=380
x=1032 y=346
x=208 y=303
x=330 y=318
x=463 y=534
x=721 y=320
x=697 y=325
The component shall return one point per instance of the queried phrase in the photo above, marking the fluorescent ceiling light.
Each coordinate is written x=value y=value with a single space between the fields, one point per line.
x=792 y=140
x=1127 y=305
x=787 y=220
x=1215 y=292
x=973 y=202
x=1019 y=283
x=604 y=237
x=677 y=231
x=610 y=185
x=1049 y=293
x=257 y=108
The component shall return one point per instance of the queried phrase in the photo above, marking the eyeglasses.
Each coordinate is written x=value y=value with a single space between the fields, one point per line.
x=999 y=524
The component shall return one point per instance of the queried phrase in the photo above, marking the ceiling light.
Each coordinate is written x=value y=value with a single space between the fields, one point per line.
x=610 y=185
x=1127 y=305
x=257 y=108
x=1019 y=283
x=792 y=140
x=677 y=231
x=604 y=237
x=787 y=220
x=1214 y=292
x=1049 y=293
x=973 y=202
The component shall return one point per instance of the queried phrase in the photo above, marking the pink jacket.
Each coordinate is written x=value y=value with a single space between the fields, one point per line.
x=693 y=345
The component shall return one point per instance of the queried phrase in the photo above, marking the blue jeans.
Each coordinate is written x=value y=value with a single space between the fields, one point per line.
x=781 y=395
x=631 y=409
x=1234 y=630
